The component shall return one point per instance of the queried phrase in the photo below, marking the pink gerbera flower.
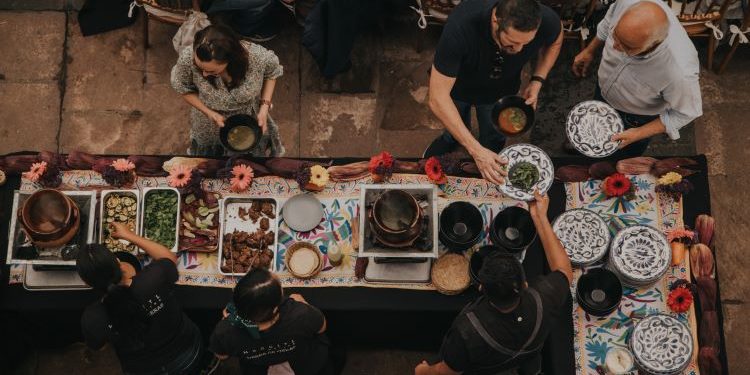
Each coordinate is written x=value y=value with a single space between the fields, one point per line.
x=123 y=165
x=36 y=171
x=179 y=176
x=242 y=178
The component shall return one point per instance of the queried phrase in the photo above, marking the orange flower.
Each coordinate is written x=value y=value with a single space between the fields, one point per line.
x=36 y=171
x=434 y=171
x=243 y=177
x=179 y=176
x=123 y=165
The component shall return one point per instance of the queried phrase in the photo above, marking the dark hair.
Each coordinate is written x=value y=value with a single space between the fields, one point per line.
x=522 y=15
x=100 y=269
x=221 y=44
x=502 y=278
x=256 y=295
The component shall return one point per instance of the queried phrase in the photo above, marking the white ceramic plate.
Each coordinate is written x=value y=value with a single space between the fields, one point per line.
x=534 y=155
x=640 y=253
x=591 y=125
x=584 y=234
x=661 y=344
x=302 y=212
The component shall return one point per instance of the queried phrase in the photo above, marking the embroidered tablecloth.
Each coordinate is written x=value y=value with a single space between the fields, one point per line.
x=341 y=207
x=593 y=335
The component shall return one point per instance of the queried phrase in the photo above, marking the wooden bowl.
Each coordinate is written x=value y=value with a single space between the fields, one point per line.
x=308 y=250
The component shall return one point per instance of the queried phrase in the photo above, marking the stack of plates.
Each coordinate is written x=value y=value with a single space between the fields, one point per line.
x=584 y=234
x=639 y=255
x=661 y=345
x=599 y=292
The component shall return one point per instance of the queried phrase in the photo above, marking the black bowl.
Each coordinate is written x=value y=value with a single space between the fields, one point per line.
x=238 y=121
x=511 y=101
x=476 y=260
x=461 y=226
x=599 y=292
x=513 y=229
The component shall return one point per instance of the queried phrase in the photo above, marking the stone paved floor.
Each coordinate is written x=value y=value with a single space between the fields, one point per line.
x=109 y=94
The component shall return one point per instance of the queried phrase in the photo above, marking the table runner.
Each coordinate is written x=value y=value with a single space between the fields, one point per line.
x=593 y=335
x=340 y=201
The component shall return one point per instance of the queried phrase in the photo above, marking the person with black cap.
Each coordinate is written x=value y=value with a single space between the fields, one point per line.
x=503 y=331
x=138 y=312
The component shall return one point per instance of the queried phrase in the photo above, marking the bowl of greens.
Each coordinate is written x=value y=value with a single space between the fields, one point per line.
x=160 y=216
x=529 y=168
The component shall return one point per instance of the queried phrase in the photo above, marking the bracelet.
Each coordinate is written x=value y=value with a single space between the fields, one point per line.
x=539 y=79
x=266 y=102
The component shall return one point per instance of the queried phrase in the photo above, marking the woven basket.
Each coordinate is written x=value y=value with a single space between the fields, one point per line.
x=303 y=245
x=451 y=281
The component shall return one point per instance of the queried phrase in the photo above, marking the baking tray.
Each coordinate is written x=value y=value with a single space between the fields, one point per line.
x=142 y=216
x=102 y=206
x=49 y=280
x=367 y=248
x=86 y=201
x=229 y=221
x=185 y=208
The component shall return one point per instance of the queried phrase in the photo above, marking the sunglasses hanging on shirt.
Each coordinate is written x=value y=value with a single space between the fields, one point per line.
x=497 y=65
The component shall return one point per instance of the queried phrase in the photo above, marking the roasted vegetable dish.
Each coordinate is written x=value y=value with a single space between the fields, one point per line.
x=160 y=216
x=119 y=208
x=200 y=223
x=523 y=175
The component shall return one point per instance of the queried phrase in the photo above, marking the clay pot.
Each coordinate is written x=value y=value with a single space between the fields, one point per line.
x=49 y=217
x=396 y=218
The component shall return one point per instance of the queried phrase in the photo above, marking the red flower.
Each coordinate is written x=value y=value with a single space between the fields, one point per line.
x=381 y=164
x=434 y=171
x=679 y=300
x=616 y=185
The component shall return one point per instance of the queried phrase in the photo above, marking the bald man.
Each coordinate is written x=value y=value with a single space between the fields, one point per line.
x=648 y=73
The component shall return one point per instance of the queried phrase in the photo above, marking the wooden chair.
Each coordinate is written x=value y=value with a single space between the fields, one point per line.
x=173 y=12
x=574 y=22
x=736 y=40
x=701 y=19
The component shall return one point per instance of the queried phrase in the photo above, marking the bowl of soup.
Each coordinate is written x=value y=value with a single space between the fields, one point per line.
x=240 y=133
x=512 y=115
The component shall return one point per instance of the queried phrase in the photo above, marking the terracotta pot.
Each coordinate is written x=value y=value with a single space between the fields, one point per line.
x=48 y=215
x=396 y=218
x=678 y=252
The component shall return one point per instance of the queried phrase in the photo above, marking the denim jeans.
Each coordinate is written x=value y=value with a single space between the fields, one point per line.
x=630 y=121
x=489 y=136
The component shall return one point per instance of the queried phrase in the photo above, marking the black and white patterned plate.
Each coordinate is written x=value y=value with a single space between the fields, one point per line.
x=661 y=344
x=584 y=234
x=534 y=155
x=640 y=254
x=590 y=126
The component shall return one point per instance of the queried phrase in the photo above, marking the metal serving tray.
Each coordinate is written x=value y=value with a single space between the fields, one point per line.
x=50 y=280
x=102 y=206
x=367 y=248
x=17 y=238
x=228 y=222
x=142 y=216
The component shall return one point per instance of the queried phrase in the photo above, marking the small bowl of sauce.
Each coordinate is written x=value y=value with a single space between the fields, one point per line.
x=512 y=115
x=240 y=133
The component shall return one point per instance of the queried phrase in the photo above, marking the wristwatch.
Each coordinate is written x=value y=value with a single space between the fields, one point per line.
x=539 y=79
x=267 y=102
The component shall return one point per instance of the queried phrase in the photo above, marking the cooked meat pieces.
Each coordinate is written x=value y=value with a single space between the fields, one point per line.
x=265 y=223
x=254 y=215
x=242 y=213
x=269 y=238
x=256 y=206
x=268 y=209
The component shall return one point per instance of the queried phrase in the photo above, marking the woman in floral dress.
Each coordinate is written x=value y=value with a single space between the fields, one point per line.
x=223 y=76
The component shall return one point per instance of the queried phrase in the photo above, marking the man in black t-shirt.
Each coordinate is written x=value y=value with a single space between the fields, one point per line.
x=479 y=59
x=505 y=329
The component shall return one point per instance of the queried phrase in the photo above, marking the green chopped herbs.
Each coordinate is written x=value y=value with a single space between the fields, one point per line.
x=523 y=175
x=160 y=217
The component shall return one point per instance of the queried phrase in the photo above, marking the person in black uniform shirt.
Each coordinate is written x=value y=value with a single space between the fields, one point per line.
x=479 y=59
x=139 y=313
x=270 y=333
x=504 y=330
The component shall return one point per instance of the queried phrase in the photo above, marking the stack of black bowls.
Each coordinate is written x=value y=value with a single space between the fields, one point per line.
x=599 y=292
x=513 y=229
x=461 y=226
